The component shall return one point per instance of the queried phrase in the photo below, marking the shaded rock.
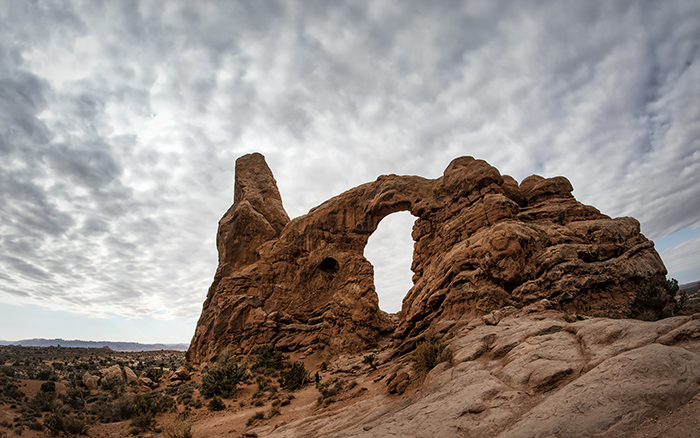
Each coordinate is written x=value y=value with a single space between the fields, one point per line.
x=619 y=393
x=145 y=381
x=399 y=383
x=690 y=331
x=130 y=375
x=90 y=382
x=181 y=374
x=482 y=244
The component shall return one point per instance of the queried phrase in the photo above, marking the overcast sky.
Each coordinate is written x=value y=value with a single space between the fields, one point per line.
x=120 y=122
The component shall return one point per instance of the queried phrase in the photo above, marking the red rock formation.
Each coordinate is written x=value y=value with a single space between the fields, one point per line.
x=482 y=242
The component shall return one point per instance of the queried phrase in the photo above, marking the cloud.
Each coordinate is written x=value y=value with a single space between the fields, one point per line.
x=682 y=260
x=120 y=121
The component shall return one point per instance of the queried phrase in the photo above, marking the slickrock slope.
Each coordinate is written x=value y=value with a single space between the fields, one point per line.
x=483 y=243
x=538 y=377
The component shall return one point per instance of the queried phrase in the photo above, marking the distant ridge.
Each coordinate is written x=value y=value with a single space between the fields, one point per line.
x=116 y=346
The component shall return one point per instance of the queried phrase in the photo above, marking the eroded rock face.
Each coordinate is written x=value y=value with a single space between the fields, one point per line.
x=482 y=242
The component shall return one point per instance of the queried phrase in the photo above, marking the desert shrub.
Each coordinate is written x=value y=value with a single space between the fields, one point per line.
x=75 y=398
x=112 y=385
x=42 y=401
x=430 y=352
x=42 y=375
x=54 y=424
x=561 y=218
x=102 y=411
x=122 y=407
x=130 y=406
x=256 y=416
x=141 y=423
x=8 y=371
x=74 y=425
x=324 y=366
x=266 y=357
x=185 y=394
x=262 y=382
x=154 y=373
x=655 y=301
x=285 y=402
x=295 y=377
x=647 y=315
x=370 y=360
x=151 y=403
x=179 y=428
x=328 y=391
x=57 y=423
x=9 y=389
x=35 y=425
x=275 y=410
x=48 y=387
x=222 y=380
x=216 y=404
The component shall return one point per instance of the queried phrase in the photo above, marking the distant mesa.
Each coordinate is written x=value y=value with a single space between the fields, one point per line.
x=483 y=242
x=110 y=345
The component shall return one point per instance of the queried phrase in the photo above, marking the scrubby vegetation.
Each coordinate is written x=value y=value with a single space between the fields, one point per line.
x=329 y=391
x=181 y=427
x=222 y=379
x=430 y=352
x=370 y=360
x=295 y=377
x=60 y=403
x=656 y=301
x=72 y=410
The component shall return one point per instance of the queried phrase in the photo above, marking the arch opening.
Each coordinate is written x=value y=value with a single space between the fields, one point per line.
x=390 y=250
x=329 y=264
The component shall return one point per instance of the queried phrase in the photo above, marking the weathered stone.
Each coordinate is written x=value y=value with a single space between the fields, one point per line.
x=615 y=395
x=542 y=386
x=145 y=381
x=398 y=384
x=90 y=382
x=112 y=373
x=130 y=375
x=483 y=243
x=181 y=374
x=690 y=331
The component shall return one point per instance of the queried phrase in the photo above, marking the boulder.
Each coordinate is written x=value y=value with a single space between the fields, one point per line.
x=399 y=383
x=181 y=374
x=483 y=245
x=145 y=381
x=112 y=373
x=90 y=382
x=130 y=375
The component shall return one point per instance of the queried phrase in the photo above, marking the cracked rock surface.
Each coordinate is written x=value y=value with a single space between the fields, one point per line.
x=539 y=376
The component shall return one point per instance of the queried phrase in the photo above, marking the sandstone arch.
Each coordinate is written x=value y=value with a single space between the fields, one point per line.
x=482 y=242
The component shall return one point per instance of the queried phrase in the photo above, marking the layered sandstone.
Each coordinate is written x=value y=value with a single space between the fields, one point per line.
x=483 y=242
